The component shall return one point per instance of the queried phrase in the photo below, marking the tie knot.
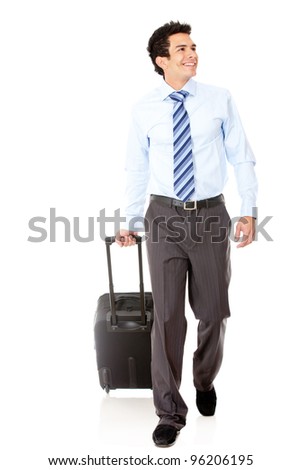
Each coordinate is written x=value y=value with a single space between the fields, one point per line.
x=179 y=95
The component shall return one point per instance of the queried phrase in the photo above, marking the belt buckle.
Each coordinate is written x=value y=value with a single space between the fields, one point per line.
x=190 y=207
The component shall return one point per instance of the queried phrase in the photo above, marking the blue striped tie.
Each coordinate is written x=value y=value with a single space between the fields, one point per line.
x=183 y=163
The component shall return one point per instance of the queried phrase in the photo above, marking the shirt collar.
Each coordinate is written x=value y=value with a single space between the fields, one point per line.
x=166 y=90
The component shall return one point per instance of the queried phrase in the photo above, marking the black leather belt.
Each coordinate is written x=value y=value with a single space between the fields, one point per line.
x=189 y=205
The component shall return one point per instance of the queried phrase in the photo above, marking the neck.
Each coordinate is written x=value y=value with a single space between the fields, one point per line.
x=176 y=84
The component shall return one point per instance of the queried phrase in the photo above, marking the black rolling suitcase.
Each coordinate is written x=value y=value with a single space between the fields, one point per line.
x=122 y=327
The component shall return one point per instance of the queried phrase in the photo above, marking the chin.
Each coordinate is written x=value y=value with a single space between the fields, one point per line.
x=191 y=74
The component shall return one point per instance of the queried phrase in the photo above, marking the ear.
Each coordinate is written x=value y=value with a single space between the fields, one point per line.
x=161 y=62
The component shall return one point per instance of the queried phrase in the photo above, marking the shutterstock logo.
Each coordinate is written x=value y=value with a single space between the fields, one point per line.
x=58 y=228
x=92 y=227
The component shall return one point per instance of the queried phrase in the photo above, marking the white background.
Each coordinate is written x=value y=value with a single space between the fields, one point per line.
x=70 y=72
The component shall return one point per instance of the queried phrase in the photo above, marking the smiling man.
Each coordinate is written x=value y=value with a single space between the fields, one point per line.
x=182 y=62
x=182 y=137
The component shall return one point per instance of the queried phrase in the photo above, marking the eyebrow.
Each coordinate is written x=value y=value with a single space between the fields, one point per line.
x=185 y=45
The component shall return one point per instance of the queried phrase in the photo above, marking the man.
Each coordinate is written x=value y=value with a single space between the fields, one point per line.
x=181 y=137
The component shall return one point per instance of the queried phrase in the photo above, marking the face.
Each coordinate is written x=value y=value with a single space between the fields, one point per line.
x=183 y=60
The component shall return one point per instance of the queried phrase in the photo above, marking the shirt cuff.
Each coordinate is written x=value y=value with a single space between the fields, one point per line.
x=134 y=223
x=249 y=209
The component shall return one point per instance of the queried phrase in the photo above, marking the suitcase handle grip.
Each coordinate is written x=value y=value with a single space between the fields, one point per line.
x=109 y=241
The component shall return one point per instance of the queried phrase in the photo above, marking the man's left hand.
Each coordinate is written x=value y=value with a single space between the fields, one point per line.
x=245 y=227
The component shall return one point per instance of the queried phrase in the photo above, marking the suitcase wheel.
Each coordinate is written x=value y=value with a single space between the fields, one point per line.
x=105 y=378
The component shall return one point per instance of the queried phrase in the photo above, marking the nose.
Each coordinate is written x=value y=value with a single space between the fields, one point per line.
x=192 y=54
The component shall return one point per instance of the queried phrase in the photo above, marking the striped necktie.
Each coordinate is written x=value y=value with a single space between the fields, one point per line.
x=183 y=163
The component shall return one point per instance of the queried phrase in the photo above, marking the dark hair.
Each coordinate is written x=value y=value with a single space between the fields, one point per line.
x=159 y=44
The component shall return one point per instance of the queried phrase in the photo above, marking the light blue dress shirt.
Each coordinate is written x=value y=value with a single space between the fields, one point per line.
x=217 y=138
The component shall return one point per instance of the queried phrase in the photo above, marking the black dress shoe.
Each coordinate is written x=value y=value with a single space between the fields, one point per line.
x=165 y=435
x=206 y=402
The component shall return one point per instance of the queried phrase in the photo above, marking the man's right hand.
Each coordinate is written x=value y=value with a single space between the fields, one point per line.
x=125 y=238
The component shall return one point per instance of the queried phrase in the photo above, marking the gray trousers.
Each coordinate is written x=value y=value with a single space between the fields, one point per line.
x=186 y=246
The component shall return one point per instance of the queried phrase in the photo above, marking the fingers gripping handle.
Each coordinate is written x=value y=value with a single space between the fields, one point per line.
x=111 y=240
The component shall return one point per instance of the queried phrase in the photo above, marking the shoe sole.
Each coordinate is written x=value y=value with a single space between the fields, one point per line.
x=165 y=445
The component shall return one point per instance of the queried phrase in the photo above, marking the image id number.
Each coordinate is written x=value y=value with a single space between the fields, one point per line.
x=221 y=460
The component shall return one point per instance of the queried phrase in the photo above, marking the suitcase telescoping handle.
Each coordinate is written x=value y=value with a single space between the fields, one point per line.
x=109 y=241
